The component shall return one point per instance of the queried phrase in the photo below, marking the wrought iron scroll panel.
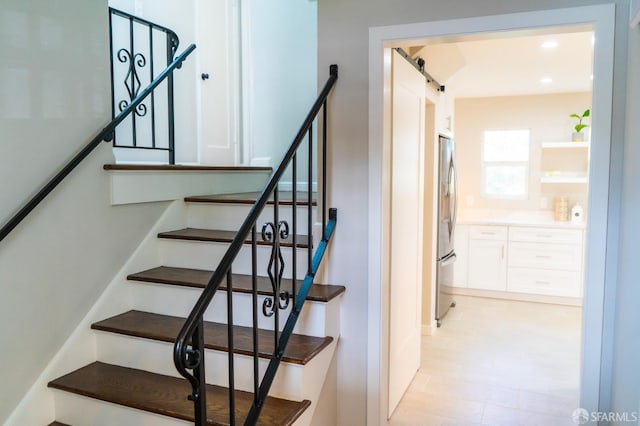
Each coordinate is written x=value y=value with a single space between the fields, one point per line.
x=139 y=50
x=286 y=295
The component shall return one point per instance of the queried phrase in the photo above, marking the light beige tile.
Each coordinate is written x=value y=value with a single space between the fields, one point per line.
x=502 y=416
x=547 y=404
x=497 y=362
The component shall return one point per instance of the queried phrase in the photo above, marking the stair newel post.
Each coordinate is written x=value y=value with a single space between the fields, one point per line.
x=172 y=44
x=254 y=293
x=294 y=226
x=200 y=395
x=232 y=393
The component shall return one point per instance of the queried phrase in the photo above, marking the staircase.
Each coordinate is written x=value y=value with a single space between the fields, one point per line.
x=133 y=380
x=264 y=330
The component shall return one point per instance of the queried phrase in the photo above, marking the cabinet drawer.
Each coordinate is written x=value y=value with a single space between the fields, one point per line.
x=551 y=283
x=545 y=235
x=496 y=233
x=565 y=257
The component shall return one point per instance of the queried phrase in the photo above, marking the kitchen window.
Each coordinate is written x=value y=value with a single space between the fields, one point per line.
x=505 y=163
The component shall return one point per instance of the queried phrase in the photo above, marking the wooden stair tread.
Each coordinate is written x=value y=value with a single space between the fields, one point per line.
x=167 y=395
x=182 y=167
x=285 y=198
x=300 y=349
x=241 y=283
x=221 y=236
x=58 y=424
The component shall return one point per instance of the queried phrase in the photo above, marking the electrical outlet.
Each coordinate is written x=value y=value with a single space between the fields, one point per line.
x=544 y=203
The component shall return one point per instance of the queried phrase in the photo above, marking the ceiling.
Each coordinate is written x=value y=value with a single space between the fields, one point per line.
x=511 y=64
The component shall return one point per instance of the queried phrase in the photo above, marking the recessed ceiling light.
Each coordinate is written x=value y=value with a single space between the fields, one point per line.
x=549 y=44
x=546 y=80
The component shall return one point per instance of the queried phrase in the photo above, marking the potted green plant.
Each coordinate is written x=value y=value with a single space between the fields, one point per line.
x=578 y=135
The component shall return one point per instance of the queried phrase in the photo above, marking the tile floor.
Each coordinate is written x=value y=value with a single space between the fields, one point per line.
x=497 y=362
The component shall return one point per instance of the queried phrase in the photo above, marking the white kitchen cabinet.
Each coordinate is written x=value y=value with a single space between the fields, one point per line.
x=461 y=247
x=487 y=264
x=545 y=261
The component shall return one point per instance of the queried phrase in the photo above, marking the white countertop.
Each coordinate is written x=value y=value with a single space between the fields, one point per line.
x=540 y=218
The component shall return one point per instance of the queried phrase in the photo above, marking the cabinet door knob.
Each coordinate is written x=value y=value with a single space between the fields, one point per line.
x=204 y=76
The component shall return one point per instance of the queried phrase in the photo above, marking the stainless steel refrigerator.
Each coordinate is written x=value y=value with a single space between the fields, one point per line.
x=447 y=210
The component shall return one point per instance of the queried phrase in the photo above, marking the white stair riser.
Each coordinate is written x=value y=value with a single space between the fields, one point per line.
x=207 y=255
x=79 y=410
x=144 y=186
x=155 y=356
x=316 y=319
x=231 y=216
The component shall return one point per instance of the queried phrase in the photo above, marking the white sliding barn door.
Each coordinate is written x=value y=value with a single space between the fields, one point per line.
x=408 y=115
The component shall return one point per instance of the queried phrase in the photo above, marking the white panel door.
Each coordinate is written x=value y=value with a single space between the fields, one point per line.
x=218 y=81
x=408 y=103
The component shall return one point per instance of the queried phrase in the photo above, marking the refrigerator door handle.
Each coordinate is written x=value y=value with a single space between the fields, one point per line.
x=448 y=260
x=453 y=197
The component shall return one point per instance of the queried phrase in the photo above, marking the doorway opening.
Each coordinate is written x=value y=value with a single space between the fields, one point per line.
x=601 y=22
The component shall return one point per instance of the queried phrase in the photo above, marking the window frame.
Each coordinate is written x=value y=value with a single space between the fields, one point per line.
x=525 y=165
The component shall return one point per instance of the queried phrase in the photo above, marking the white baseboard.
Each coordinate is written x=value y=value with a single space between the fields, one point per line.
x=520 y=297
x=429 y=329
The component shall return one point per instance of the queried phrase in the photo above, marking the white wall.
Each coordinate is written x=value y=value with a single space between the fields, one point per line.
x=547 y=116
x=179 y=17
x=280 y=65
x=343 y=31
x=54 y=96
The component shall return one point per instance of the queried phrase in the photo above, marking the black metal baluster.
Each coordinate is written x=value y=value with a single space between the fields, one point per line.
x=136 y=61
x=324 y=170
x=276 y=269
x=254 y=292
x=132 y=65
x=200 y=396
x=232 y=387
x=153 y=94
x=113 y=91
x=309 y=201
x=294 y=224
x=170 y=106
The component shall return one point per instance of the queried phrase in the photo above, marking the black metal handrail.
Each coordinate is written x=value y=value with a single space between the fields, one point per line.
x=137 y=53
x=106 y=134
x=189 y=347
